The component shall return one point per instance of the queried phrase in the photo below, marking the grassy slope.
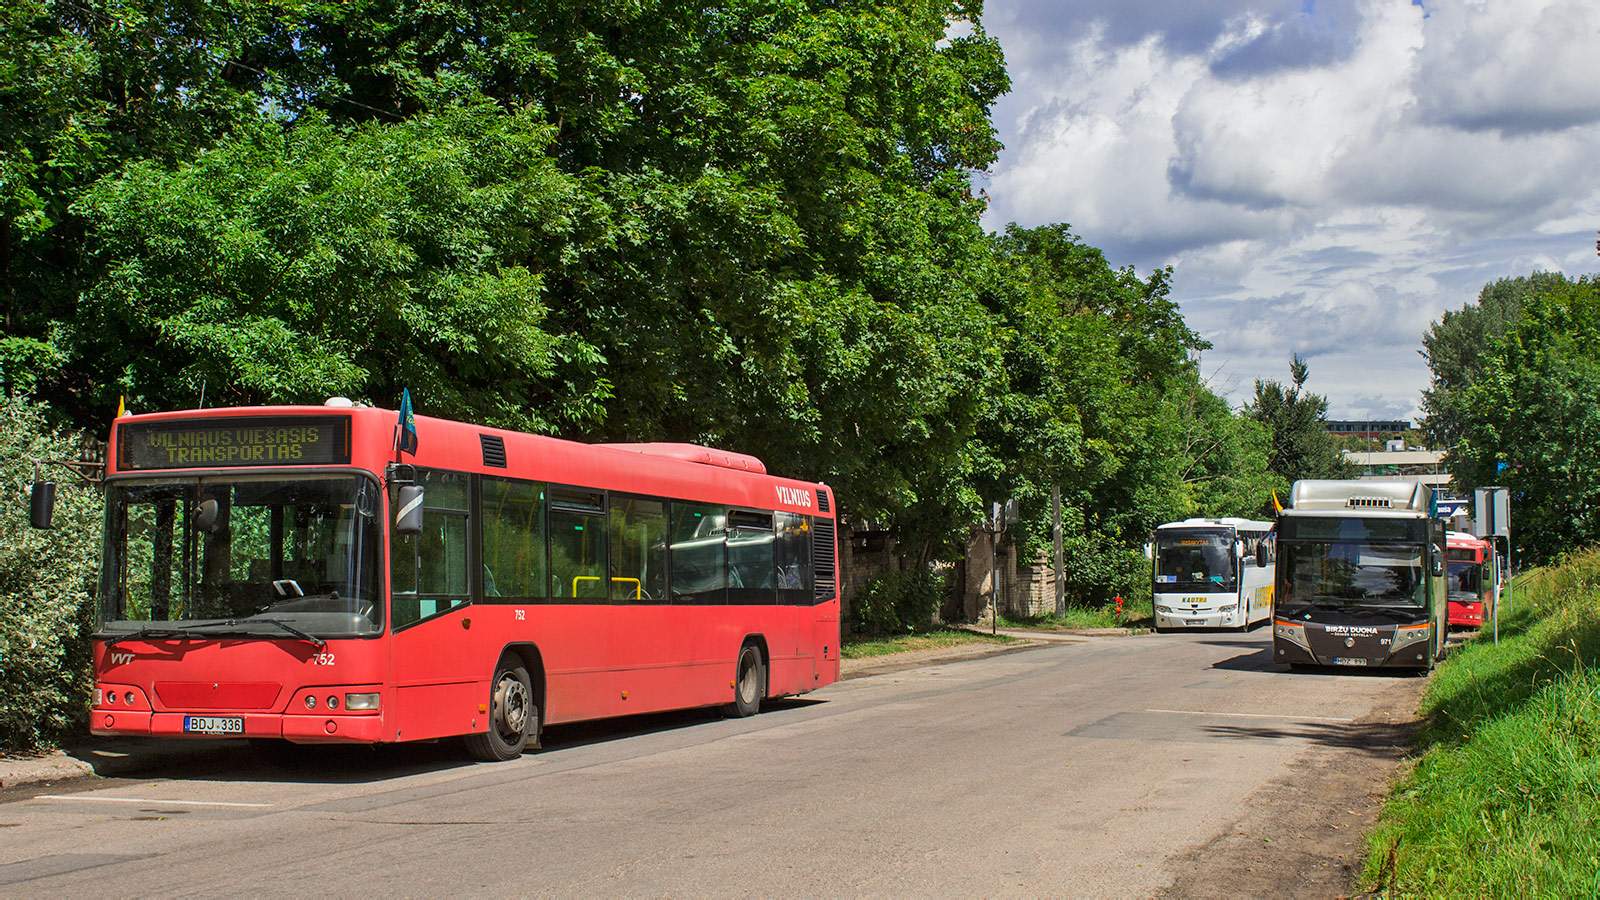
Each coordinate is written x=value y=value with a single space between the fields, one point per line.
x=1506 y=800
x=863 y=647
x=1135 y=612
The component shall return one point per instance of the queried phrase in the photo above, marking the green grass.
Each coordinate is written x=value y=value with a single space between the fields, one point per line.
x=863 y=647
x=1505 y=802
x=1135 y=614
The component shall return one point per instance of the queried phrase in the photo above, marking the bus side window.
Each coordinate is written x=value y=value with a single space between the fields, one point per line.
x=699 y=553
x=638 y=550
x=428 y=571
x=578 y=545
x=792 y=558
x=513 y=540
x=752 y=574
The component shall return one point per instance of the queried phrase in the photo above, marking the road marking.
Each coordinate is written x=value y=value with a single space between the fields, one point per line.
x=1196 y=712
x=151 y=802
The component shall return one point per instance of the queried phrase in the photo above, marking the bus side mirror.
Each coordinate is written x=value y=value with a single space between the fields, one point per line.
x=408 y=520
x=42 y=504
x=1261 y=558
x=206 y=518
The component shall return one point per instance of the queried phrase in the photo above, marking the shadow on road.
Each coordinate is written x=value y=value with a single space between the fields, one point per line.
x=1385 y=739
x=284 y=762
x=1259 y=661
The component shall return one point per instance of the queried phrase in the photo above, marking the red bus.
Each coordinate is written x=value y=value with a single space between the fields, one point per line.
x=1471 y=575
x=287 y=573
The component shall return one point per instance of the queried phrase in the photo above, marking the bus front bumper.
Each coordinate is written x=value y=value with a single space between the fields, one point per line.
x=1184 y=618
x=210 y=724
x=1308 y=643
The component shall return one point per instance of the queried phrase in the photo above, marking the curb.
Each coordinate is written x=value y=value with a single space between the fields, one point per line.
x=916 y=659
x=109 y=760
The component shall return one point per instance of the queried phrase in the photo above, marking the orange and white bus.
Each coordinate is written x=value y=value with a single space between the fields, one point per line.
x=288 y=573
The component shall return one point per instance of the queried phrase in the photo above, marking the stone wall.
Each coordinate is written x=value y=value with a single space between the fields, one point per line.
x=1024 y=591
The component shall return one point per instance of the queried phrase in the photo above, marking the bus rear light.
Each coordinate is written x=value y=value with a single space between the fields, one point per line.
x=361 y=701
x=311 y=701
x=128 y=698
x=333 y=701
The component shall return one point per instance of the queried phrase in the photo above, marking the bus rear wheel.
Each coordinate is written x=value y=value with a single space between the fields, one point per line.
x=513 y=715
x=750 y=682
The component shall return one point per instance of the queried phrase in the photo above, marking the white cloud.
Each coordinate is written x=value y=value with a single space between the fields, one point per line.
x=1515 y=67
x=1324 y=182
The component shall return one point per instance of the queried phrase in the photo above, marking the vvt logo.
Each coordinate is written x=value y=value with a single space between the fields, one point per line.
x=794 y=497
x=118 y=659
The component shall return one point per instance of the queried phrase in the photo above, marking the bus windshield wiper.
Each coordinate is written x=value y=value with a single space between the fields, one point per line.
x=160 y=633
x=302 y=635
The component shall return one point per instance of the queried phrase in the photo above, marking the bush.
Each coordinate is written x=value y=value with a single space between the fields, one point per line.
x=46 y=585
x=897 y=603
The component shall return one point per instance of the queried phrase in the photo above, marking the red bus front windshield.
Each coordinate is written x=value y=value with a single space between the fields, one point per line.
x=242 y=555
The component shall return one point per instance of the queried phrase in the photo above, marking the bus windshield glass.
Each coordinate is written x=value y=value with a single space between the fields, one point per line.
x=242 y=555
x=1194 y=560
x=1466 y=580
x=1350 y=575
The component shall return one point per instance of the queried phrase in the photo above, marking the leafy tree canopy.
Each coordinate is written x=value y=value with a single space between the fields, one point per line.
x=1529 y=418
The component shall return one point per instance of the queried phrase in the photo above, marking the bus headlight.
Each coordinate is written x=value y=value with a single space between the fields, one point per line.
x=1294 y=634
x=361 y=701
x=1164 y=609
x=1404 y=637
x=1228 y=609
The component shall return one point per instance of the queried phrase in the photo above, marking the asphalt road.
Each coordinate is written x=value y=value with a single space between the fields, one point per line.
x=1104 y=767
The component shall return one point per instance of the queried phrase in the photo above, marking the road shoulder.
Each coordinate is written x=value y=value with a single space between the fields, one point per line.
x=1302 y=835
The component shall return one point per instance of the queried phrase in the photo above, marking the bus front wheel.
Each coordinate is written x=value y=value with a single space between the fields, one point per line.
x=513 y=715
x=750 y=682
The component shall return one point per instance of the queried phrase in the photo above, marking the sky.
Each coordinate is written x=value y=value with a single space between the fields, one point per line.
x=1325 y=178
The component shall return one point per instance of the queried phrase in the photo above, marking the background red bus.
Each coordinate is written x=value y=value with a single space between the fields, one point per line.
x=277 y=573
x=1471 y=575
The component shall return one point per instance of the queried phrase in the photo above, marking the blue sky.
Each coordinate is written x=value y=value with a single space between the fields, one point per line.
x=1325 y=178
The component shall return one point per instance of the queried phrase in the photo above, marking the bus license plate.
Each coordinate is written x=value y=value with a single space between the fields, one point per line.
x=1194 y=621
x=213 y=724
x=1348 y=661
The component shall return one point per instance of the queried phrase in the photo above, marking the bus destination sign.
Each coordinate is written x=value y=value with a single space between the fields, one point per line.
x=234 y=442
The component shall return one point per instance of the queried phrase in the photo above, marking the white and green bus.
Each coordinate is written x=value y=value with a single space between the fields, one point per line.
x=1206 y=573
x=1361 y=576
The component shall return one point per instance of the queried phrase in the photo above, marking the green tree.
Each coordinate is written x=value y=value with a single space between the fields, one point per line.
x=746 y=223
x=1101 y=396
x=1459 y=345
x=291 y=265
x=46 y=584
x=1530 y=419
x=1301 y=446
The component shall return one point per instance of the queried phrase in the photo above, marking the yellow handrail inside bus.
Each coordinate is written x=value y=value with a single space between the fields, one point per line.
x=638 y=586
